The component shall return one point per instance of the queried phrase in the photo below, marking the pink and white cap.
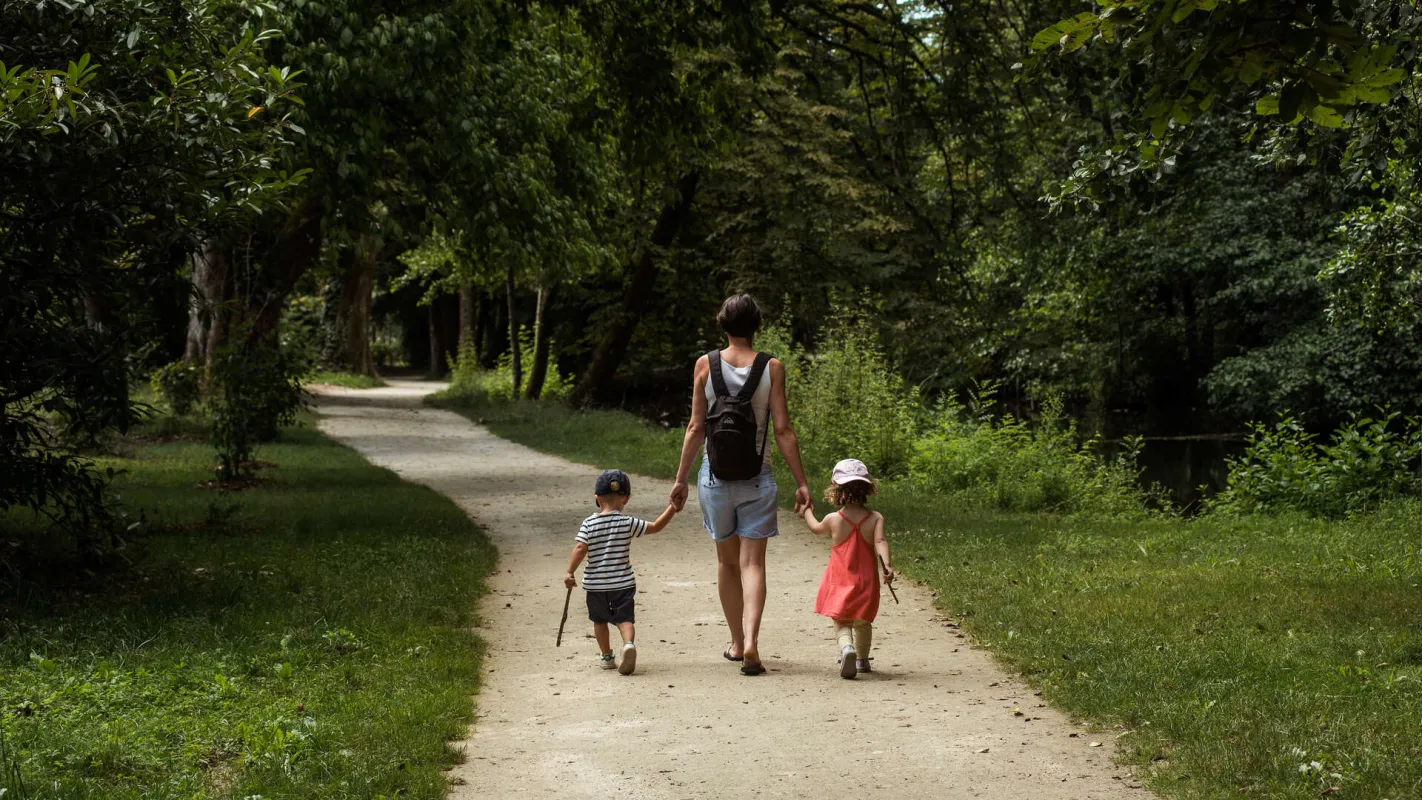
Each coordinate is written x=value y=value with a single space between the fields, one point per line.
x=850 y=470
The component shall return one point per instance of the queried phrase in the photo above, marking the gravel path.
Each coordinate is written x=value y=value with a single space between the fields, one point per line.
x=937 y=719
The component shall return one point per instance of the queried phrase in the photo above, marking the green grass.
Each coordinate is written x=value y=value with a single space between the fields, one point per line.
x=306 y=639
x=605 y=438
x=350 y=380
x=1231 y=653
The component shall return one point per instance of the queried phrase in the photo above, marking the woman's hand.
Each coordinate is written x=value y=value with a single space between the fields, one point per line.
x=802 y=499
x=679 y=493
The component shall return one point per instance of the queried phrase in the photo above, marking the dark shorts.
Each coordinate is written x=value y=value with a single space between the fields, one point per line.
x=615 y=607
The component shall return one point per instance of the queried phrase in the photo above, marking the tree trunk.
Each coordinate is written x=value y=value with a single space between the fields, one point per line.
x=436 y=346
x=515 y=351
x=542 y=339
x=636 y=296
x=476 y=329
x=466 y=320
x=348 y=336
x=209 y=276
x=297 y=248
x=361 y=286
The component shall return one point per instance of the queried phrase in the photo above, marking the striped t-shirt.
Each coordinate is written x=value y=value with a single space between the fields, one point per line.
x=609 y=540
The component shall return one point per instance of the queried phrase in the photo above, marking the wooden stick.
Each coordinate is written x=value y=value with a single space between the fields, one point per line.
x=564 y=621
x=891 y=586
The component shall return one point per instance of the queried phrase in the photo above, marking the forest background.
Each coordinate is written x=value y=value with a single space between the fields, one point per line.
x=997 y=241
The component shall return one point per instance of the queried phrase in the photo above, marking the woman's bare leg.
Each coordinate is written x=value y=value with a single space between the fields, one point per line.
x=752 y=579
x=728 y=583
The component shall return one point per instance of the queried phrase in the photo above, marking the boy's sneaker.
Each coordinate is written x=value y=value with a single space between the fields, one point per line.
x=847 y=668
x=607 y=661
x=629 y=659
x=862 y=664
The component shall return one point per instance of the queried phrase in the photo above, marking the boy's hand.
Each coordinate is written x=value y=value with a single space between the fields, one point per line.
x=569 y=581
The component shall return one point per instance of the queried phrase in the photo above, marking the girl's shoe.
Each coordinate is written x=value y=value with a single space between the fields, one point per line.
x=607 y=661
x=629 y=659
x=862 y=664
x=847 y=668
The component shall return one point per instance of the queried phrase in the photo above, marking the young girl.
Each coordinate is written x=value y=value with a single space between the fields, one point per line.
x=849 y=591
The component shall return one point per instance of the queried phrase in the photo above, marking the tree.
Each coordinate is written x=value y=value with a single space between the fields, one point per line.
x=128 y=132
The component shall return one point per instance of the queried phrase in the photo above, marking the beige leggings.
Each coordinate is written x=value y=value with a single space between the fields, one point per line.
x=856 y=633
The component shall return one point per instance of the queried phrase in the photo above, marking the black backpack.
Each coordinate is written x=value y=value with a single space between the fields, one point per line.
x=731 y=427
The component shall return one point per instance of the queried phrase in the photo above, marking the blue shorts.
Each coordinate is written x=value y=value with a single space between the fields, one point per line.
x=737 y=508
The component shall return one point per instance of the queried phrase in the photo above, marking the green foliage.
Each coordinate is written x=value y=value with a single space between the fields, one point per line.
x=313 y=638
x=178 y=384
x=982 y=461
x=1367 y=462
x=470 y=381
x=846 y=401
x=256 y=390
x=125 y=133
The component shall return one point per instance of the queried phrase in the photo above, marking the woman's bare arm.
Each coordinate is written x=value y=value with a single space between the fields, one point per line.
x=695 y=433
x=785 y=437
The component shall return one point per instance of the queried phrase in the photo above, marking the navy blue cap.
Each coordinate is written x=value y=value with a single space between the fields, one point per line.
x=613 y=481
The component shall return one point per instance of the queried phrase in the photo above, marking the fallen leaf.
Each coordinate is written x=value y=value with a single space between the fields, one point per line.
x=1094 y=744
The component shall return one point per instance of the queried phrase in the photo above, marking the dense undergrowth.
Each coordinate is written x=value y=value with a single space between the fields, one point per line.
x=305 y=638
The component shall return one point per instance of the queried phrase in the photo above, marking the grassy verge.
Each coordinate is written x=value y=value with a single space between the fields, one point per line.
x=308 y=638
x=1263 y=657
x=349 y=380
x=604 y=438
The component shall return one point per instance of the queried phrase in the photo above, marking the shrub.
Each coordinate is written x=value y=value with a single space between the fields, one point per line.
x=1005 y=463
x=178 y=384
x=468 y=379
x=256 y=390
x=1367 y=461
x=846 y=401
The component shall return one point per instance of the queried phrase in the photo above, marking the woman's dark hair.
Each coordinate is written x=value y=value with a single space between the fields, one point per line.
x=739 y=315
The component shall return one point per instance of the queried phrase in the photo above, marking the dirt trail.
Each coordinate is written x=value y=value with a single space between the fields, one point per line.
x=936 y=719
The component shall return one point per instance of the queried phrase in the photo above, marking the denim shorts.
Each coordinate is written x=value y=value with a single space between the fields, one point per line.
x=737 y=508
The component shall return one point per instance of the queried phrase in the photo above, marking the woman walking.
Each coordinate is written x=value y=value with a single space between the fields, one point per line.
x=738 y=398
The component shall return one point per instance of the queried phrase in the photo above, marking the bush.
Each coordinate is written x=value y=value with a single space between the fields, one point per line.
x=468 y=379
x=1005 y=463
x=1367 y=461
x=178 y=384
x=846 y=401
x=256 y=390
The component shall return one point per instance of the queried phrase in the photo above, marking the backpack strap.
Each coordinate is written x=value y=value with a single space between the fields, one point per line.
x=718 y=380
x=753 y=379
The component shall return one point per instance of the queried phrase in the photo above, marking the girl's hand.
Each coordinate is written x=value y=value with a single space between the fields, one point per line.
x=888 y=576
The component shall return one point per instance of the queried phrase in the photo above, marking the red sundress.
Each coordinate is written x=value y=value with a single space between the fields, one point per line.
x=850 y=587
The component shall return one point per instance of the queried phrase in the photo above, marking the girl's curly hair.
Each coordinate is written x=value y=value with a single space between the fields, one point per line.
x=852 y=493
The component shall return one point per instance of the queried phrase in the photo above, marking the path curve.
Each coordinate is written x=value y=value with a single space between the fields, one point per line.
x=936 y=720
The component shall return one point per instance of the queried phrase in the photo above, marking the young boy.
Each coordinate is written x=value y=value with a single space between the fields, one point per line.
x=605 y=539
